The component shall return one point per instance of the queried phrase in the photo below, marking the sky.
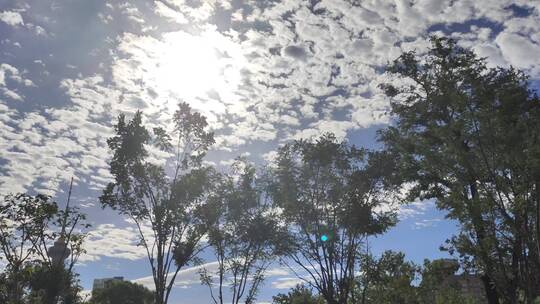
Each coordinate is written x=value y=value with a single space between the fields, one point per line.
x=262 y=72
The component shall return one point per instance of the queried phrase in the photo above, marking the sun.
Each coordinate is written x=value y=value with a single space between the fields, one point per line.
x=203 y=69
x=188 y=63
x=195 y=67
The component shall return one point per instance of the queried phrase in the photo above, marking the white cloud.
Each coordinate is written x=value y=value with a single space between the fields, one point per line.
x=426 y=223
x=404 y=209
x=10 y=72
x=11 y=18
x=415 y=209
x=277 y=271
x=518 y=50
x=186 y=277
x=85 y=295
x=109 y=240
x=270 y=156
x=286 y=283
x=165 y=11
x=132 y=13
x=191 y=276
x=11 y=94
x=44 y=149
x=197 y=14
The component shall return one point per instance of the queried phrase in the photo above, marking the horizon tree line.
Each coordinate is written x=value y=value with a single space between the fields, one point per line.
x=463 y=134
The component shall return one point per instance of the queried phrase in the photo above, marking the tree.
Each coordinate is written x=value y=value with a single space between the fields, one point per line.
x=469 y=137
x=391 y=279
x=28 y=226
x=330 y=196
x=124 y=292
x=387 y=280
x=167 y=202
x=244 y=237
x=436 y=286
x=22 y=218
x=300 y=294
x=53 y=285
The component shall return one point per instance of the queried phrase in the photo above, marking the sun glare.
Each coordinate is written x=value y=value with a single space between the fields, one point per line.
x=189 y=64
x=191 y=67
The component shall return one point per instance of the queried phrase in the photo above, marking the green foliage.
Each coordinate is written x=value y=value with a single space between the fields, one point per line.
x=124 y=292
x=327 y=187
x=391 y=279
x=469 y=137
x=300 y=294
x=23 y=223
x=169 y=198
x=436 y=286
x=245 y=236
x=452 y=296
x=15 y=283
x=387 y=280
x=28 y=225
x=48 y=285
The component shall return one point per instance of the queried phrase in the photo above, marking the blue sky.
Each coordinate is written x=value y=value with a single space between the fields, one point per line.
x=263 y=72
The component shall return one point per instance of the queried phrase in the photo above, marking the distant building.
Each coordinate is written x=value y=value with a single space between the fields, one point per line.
x=106 y=282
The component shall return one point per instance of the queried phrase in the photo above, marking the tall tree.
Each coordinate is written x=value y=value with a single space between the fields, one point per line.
x=28 y=227
x=469 y=137
x=21 y=219
x=331 y=199
x=387 y=280
x=245 y=237
x=167 y=204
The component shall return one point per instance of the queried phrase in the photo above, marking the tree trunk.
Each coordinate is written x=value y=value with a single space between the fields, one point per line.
x=491 y=293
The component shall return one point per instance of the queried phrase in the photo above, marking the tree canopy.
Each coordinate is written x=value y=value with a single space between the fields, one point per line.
x=245 y=238
x=387 y=280
x=29 y=224
x=168 y=201
x=331 y=197
x=124 y=292
x=300 y=294
x=468 y=136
